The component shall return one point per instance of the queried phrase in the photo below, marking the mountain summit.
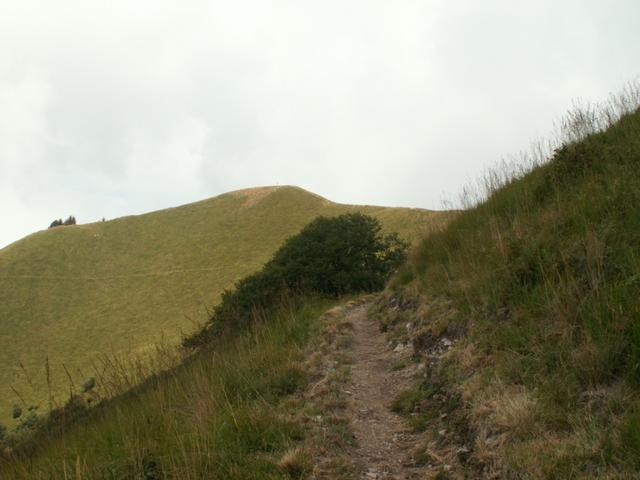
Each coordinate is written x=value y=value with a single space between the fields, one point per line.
x=74 y=293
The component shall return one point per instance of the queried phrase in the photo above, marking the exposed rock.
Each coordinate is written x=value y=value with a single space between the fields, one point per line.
x=423 y=340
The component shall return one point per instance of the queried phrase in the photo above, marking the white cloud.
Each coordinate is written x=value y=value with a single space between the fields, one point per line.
x=122 y=107
x=24 y=136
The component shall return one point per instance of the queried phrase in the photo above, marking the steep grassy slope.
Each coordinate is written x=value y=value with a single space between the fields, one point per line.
x=539 y=289
x=74 y=294
x=226 y=414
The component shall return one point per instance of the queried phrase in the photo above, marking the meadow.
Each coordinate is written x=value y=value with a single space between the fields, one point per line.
x=77 y=300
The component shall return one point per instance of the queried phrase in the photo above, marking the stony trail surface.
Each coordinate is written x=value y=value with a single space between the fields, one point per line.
x=384 y=441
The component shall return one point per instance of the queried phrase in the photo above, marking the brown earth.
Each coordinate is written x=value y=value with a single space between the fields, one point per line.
x=384 y=441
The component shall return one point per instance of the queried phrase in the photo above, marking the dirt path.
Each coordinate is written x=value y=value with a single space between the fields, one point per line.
x=385 y=443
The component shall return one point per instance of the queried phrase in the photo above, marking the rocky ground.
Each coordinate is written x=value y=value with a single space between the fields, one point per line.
x=385 y=444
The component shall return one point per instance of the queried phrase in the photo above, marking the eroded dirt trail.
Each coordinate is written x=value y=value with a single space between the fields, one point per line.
x=385 y=443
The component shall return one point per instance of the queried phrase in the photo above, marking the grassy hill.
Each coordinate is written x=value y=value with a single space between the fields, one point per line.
x=72 y=295
x=538 y=289
x=523 y=313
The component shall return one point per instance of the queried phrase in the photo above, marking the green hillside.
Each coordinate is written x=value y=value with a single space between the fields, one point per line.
x=75 y=294
x=523 y=320
x=537 y=288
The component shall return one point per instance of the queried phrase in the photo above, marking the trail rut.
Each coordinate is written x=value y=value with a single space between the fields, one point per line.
x=385 y=442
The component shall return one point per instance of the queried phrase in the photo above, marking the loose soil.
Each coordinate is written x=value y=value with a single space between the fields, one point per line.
x=384 y=441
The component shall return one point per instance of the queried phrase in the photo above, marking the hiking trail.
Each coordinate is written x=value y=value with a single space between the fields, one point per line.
x=384 y=440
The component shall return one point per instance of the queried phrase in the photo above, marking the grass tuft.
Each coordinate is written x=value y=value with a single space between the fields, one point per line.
x=296 y=463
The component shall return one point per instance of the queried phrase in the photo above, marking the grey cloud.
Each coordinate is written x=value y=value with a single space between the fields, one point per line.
x=122 y=107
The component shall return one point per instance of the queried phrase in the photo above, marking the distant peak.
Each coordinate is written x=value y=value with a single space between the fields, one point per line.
x=255 y=195
x=243 y=192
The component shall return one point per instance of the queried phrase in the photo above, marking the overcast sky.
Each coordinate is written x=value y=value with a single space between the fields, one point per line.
x=120 y=107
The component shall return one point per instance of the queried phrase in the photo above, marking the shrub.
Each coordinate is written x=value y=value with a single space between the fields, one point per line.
x=30 y=422
x=71 y=220
x=338 y=255
x=330 y=257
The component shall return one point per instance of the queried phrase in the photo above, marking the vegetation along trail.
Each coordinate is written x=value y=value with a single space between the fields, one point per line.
x=384 y=441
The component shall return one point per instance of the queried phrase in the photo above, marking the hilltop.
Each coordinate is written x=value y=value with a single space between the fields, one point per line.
x=80 y=296
x=507 y=346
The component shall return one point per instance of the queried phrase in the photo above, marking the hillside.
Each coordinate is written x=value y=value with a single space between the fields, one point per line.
x=507 y=346
x=73 y=296
x=525 y=310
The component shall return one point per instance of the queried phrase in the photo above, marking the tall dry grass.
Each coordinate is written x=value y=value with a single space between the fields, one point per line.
x=217 y=415
x=543 y=271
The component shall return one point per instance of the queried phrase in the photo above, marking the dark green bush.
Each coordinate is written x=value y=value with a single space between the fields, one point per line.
x=330 y=257
x=338 y=255
x=71 y=220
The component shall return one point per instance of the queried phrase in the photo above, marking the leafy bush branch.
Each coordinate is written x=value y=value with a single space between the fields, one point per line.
x=330 y=257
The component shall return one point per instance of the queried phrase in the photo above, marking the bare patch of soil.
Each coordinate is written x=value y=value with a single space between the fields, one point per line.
x=384 y=441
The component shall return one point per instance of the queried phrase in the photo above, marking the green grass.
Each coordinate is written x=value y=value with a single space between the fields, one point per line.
x=408 y=401
x=219 y=415
x=545 y=277
x=84 y=295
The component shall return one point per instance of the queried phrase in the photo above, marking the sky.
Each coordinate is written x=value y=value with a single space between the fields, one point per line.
x=117 y=108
